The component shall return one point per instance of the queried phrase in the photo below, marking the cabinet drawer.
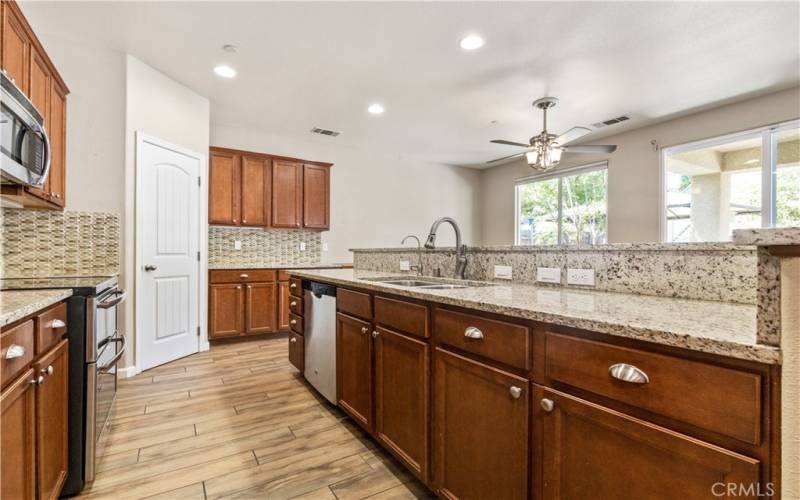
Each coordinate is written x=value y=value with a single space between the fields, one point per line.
x=354 y=303
x=296 y=305
x=21 y=338
x=296 y=323
x=710 y=397
x=297 y=347
x=242 y=276
x=283 y=275
x=51 y=327
x=296 y=287
x=403 y=316
x=497 y=340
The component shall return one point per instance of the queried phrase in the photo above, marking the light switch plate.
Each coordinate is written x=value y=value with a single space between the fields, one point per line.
x=548 y=274
x=237 y=244
x=302 y=246
x=405 y=265
x=583 y=277
x=502 y=272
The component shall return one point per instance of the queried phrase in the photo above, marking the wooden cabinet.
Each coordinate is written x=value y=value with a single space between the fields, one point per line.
x=52 y=397
x=297 y=354
x=480 y=422
x=401 y=398
x=284 y=299
x=287 y=196
x=260 y=308
x=354 y=368
x=225 y=310
x=242 y=302
x=18 y=438
x=256 y=190
x=224 y=188
x=588 y=451
x=316 y=197
x=24 y=60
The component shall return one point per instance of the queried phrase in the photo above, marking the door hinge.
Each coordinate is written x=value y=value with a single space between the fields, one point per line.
x=198 y=331
x=198 y=256
x=198 y=181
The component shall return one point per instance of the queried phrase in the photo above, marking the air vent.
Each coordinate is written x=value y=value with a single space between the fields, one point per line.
x=322 y=131
x=612 y=121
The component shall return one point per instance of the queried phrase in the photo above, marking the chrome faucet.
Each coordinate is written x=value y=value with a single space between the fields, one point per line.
x=418 y=267
x=461 y=250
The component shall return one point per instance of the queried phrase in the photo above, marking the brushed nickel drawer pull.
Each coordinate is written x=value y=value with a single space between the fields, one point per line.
x=38 y=380
x=628 y=373
x=515 y=391
x=47 y=371
x=293 y=303
x=293 y=340
x=547 y=405
x=293 y=322
x=15 y=351
x=243 y=276
x=293 y=285
x=57 y=323
x=473 y=333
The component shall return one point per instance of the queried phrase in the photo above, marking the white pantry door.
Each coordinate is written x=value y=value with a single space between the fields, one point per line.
x=169 y=225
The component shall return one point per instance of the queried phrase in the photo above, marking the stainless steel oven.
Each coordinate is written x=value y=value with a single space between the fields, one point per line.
x=24 y=146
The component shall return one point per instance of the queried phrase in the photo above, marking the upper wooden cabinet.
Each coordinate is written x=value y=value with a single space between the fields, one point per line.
x=24 y=60
x=260 y=190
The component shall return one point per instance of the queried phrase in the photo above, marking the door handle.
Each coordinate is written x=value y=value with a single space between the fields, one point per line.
x=149 y=268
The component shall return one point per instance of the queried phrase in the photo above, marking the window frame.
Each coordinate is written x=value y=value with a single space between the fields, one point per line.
x=556 y=174
x=769 y=168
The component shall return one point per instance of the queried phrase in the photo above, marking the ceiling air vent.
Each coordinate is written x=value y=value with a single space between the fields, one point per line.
x=612 y=121
x=322 y=131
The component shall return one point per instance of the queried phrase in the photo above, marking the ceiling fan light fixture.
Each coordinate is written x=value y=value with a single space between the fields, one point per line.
x=532 y=157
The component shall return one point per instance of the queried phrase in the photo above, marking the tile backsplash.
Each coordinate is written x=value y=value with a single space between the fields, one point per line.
x=262 y=247
x=46 y=243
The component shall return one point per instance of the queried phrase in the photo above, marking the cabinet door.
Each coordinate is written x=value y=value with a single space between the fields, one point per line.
x=480 y=422
x=284 y=298
x=40 y=85
x=224 y=188
x=256 y=192
x=316 y=197
x=354 y=368
x=287 y=193
x=297 y=356
x=57 y=179
x=16 y=49
x=260 y=308
x=225 y=310
x=587 y=451
x=401 y=398
x=18 y=438
x=52 y=398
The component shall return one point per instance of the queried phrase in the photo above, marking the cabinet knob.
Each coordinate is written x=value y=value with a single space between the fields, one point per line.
x=48 y=371
x=293 y=303
x=473 y=333
x=234 y=220
x=243 y=276
x=628 y=373
x=515 y=391
x=243 y=221
x=15 y=351
x=238 y=287
x=547 y=405
x=293 y=322
x=375 y=334
x=293 y=285
x=364 y=329
x=38 y=380
x=57 y=323
x=293 y=340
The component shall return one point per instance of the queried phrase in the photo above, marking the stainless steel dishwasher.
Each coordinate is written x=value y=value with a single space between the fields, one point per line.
x=320 y=337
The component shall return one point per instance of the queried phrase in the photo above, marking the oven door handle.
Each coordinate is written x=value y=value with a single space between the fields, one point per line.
x=107 y=340
x=113 y=362
x=108 y=304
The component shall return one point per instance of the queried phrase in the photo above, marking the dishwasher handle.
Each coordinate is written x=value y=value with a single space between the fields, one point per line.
x=320 y=289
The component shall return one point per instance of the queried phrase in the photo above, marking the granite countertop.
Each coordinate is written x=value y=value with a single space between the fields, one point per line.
x=767 y=236
x=722 y=328
x=17 y=304
x=711 y=246
x=74 y=282
x=267 y=265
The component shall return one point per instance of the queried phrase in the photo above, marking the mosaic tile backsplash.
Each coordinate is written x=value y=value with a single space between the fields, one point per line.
x=46 y=243
x=262 y=247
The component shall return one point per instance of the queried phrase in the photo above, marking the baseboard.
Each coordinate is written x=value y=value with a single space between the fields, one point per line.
x=127 y=372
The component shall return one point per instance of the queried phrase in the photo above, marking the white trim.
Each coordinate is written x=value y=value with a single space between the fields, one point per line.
x=127 y=372
x=202 y=278
x=563 y=172
x=662 y=195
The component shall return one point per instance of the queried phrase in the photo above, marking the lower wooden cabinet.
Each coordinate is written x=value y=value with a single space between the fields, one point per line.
x=354 y=368
x=18 y=438
x=284 y=299
x=480 y=430
x=589 y=451
x=297 y=351
x=401 y=398
x=225 y=310
x=52 y=397
x=260 y=311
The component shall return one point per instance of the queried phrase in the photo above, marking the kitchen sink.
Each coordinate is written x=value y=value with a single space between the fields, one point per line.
x=428 y=285
x=445 y=286
x=403 y=282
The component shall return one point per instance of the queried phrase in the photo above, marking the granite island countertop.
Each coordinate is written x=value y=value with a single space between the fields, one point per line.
x=267 y=265
x=16 y=304
x=722 y=328
x=768 y=236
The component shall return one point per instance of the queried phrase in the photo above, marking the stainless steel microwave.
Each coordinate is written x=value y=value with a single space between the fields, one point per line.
x=25 y=148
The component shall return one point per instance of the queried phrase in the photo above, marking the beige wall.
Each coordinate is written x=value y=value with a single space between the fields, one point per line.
x=377 y=198
x=633 y=170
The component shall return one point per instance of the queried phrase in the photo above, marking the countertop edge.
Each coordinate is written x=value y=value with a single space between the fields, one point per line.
x=764 y=237
x=45 y=298
x=231 y=267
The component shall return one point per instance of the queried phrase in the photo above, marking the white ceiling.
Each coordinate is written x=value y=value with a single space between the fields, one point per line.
x=303 y=65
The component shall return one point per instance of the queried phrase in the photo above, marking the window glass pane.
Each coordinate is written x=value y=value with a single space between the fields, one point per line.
x=538 y=213
x=583 y=212
x=713 y=190
x=787 y=179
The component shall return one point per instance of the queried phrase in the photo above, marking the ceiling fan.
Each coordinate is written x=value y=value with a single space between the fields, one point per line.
x=544 y=150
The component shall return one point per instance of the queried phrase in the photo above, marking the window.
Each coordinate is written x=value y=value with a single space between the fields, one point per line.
x=745 y=180
x=567 y=207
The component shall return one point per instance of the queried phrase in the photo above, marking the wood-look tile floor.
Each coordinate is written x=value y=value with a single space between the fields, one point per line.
x=239 y=421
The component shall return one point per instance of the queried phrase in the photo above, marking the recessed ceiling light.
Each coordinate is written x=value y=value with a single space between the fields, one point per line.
x=225 y=71
x=471 y=42
x=375 y=109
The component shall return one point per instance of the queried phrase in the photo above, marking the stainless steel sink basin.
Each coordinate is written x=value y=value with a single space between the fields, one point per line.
x=444 y=286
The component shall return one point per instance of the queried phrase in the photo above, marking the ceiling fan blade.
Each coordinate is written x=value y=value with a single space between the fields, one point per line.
x=590 y=149
x=506 y=158
x=510 y=143
x=572 y=134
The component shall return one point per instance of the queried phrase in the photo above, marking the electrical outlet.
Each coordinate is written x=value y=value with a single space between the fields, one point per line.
x=324 y=247
x=405 y=265
x=302 y=246
x=503 y=272
x=548 y=274
x=237 y=244
x=583 y=277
